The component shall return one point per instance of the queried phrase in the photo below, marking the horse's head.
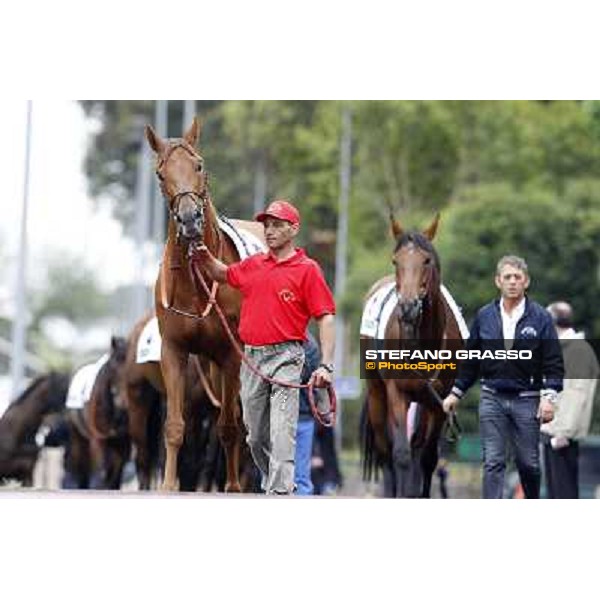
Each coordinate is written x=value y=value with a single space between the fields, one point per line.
x=417 y=272
x=183 y=181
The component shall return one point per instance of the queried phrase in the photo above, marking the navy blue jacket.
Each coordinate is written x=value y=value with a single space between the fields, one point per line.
x=312 y=359
x=534 y=331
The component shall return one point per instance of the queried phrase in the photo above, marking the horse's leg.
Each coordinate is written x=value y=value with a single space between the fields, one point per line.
x=173 y=364
x=401 y=454
x=77 y=461
x=138 y=409
x=417 y=418
x=429 y=459
x=377 y=419
x=113 y=464
x=228 y=423
x=191 y=453
x=389 y=481
x=209 y=475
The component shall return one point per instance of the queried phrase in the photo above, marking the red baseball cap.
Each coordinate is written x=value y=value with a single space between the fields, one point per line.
x=280 y=209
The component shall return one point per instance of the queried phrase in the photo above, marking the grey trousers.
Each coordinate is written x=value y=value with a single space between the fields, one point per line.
x=270 y=412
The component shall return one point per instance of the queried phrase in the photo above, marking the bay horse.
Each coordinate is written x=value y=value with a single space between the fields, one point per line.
x=106 y=417
x=422 y=313
x=20 y=422
x=186 y=322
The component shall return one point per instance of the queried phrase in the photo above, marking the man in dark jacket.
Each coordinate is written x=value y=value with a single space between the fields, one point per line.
x=516 y=394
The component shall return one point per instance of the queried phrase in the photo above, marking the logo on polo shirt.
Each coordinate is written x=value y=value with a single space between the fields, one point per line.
x=529 y=332
x=287 y=295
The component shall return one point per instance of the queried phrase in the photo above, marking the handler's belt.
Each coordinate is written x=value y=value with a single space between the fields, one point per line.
x=520 y=393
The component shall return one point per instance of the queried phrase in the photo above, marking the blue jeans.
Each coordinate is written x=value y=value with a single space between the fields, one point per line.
x=304 y=442
x=509 y=418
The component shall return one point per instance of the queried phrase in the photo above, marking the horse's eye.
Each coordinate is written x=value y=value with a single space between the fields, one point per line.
x=427 y=261
x=199 y=167
x=160 y=176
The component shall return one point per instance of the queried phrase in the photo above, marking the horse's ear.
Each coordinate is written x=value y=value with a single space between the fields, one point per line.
x=430 y=232
x=193 y=133
x=156 y=143
x=397 y=230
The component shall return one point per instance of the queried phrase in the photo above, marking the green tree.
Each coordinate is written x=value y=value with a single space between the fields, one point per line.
x=72 y=292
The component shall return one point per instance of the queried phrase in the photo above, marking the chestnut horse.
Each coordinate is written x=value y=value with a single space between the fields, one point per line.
x=142 y=389
x=186 y=322
x=21 y=421
x=422 y=313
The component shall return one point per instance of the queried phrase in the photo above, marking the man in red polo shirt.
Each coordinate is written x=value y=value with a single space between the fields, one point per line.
x=281 y=291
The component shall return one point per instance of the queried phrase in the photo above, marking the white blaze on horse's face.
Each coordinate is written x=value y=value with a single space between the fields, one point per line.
x=184 y=184
x=412 y=272
x=182 y=171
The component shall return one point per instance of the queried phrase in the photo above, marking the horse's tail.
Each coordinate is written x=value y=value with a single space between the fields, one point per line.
x=370 y=459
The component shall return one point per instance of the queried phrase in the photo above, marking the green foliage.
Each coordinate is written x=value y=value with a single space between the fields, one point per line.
x=557 y=238
x=72 y=292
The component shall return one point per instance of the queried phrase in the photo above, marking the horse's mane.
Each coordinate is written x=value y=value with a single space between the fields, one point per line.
x=28 y=391
x=103 y=381
x=422 y=242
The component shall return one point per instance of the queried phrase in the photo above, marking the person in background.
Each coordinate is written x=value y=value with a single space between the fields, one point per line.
x=560 y=437
x=516 y=395
x=306 y=425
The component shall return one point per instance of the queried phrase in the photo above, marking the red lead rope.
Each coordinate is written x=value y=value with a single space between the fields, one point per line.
x=320 y=417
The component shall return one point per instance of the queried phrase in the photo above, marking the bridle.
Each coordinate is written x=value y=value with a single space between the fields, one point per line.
x=200 y=200
x=421 y=299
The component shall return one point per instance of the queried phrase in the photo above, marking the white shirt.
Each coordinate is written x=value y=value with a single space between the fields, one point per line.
x=509 y=322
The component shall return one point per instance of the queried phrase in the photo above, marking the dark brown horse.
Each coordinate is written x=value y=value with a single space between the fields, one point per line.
x=106 y=418
x=186 y=322
x=422 y=314
x=22 y=419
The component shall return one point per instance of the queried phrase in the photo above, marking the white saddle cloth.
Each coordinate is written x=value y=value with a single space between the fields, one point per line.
x=149 y=342
x=381 y=305
x=80 y=388
x=246 y=243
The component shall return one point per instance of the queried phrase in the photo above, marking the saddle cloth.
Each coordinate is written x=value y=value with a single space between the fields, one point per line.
x=80 y=388
x=246 y=244
x=381 y=305
x=148 y=346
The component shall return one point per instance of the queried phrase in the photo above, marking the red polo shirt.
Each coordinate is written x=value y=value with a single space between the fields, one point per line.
x=279 y=297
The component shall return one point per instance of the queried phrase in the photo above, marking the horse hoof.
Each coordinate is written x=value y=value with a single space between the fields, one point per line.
x=169 y=487
x=233 y=488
